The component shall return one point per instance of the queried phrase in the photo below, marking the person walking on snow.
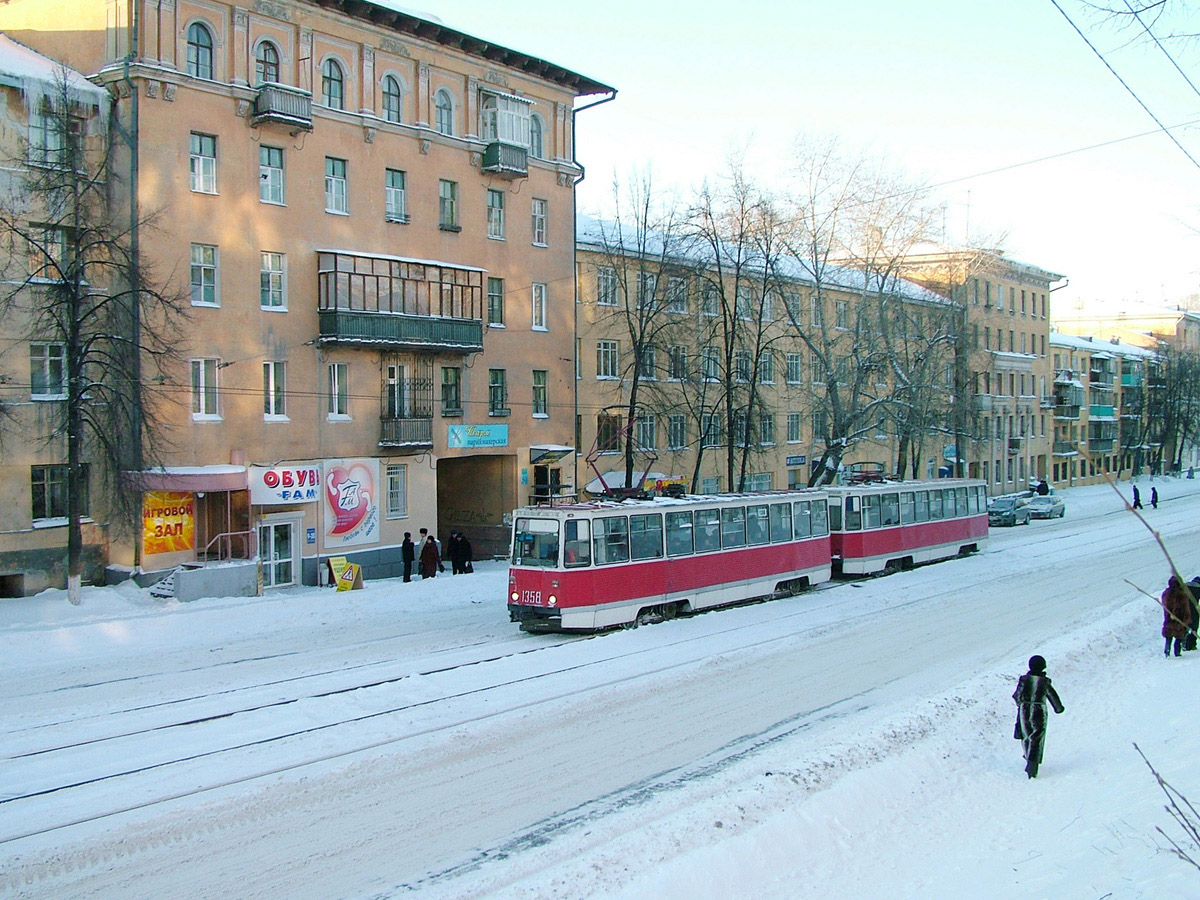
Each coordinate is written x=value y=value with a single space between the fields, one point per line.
x=1177 y=615
x=1137 y=498
x=1033 y=692
x=408 y=555
x=1154 y=497
x=431 y=559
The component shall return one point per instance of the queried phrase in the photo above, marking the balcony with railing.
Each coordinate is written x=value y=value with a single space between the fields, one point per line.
x=389 y=302
x=506 y=160
x=1065 y=448
x=406 y=424
x=1015 y=444
x=281 y=104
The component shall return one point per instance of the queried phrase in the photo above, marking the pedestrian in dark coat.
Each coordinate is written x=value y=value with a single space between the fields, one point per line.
x=1177 y=615
x=1154 y=497
x=1137 y=498
x=431 y=560
x=408 y=555
x=1033 y=692
x=460 y=553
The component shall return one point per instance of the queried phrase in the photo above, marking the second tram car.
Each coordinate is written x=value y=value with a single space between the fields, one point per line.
x=591 y=566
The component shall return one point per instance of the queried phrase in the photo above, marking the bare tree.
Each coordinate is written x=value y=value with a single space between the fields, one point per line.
x=86 y=298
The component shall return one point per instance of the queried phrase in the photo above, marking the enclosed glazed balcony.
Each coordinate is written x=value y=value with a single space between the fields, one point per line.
x=388 y=302
x=281 y=104
x=1065 y=448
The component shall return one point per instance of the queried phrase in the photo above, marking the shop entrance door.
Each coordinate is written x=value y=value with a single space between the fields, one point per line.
x=277 y=548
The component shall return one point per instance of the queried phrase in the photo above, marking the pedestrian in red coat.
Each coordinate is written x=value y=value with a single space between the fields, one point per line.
x=431 y=560
x=1177 y=615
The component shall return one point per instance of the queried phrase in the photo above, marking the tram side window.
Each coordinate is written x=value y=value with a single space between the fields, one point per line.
x=922 y=503
x=978 y=500
x=645 y=536
x=820 y=519
x=679 y=534
x=781 y=522
x=733 y=527
x=577 y=546
x=802 y=511
x=757 y=530
x=708 y=530
x=870 y=511
x=535 y=543
x=935 y=505
x=961 y=497
x=835 y=514
x=611 y=540
x=949 y=504
x=907 y=508
x=854 y=513
x=889 y=509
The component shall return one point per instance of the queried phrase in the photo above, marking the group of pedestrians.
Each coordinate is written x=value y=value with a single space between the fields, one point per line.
x=1137 y=498
x=426 y=553
x=1180 y=615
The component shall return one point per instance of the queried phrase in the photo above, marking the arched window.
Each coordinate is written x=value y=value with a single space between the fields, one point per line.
x=199 y=51
x=443 y=113
x=266 y=63
x=333 y=85
x=537 y=148
x=392 y=100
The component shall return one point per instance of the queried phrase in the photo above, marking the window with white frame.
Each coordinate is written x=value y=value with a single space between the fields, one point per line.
x=47 y=371
x=541 y=403
x=677 y=300
x=766 y=428
x=766 y=368
x=48 y=258
x=743 y=302
x=816 y=311
x=274 y=390
x=448 y=205
x=820 y=424
x=760 y=481
x=647 y=286
x=202 y=163
x=677 y=363
x=538 y=221
x=607 y=286
x=676 y=432
x=204 y=276
x=272 y=291
x=48 y=492
x=339 y=391
x=648 y=366
x=393 y=99
x=336 y=192
x=793 y=427
x=795 y=369
x=537 y=137
x=397 y=491
x=451 y=391
x=647 y=431
x=538 y=297
x=505 y=118
x=204 y=389
x=791 y=303
x=842 y=313
x=768 y=306
x=495 y=214
x=270 y=175
x=709 y=299
x=710 y=364
x=741 y=428
x=607 y=363
x=710 y=484
x=199 y=51
x=333 y=85
x=710 y=430
x=46 y=137
x=443 y=112
x=742 y=366
x=395 y=196
x=495 y=298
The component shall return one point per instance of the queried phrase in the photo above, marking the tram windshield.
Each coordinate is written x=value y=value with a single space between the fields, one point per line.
x=535 y=543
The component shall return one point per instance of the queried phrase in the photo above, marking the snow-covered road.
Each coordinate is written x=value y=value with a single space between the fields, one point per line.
x=312 y=744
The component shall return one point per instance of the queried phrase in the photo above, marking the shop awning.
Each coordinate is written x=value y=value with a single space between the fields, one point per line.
x=541 y=454
x=189 y=478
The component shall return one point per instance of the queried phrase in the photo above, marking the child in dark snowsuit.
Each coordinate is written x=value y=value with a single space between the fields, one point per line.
x=1032 y=693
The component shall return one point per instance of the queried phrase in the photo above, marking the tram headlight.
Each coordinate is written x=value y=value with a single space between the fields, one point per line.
x=552 y=600
x=514 y=595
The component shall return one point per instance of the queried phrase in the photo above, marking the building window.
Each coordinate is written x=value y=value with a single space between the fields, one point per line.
x=48 y=371
x=677 y=361
x=819 y=423
x=272 y=281
x=794 y=368
x=443 y=112
x=274 y=390
x=204 y=276
x=537 y=137
x=395 y=198
x=538 y=295
x=648 y=365
x=539 y=221
x=766 y=368
x=816 y=312
x=270 y=175
x=204 y=388
x=46 y=137
x=607 y=287
x=607 y=359
x=397 y=491
x=333 y=85
x=710 y=364
x=647 y=431
x=540 y=399
x=647 y=289
x=505 y=118
x=48 y=258
x=497 y=392
x=336 y=186
x=708 y=299
x=842 y=312
x=767 y=310
x=710 y=430
x=495 y=298
x=339 y=390
x=677 y=295
x=199 y=51
x=451 y=391
x=448 y=205
x=676 y=432
x=793 y=428
x=495 y=214
x=48 y=492
x=393 y=99
x=608 y=433
x=266 y=63
x=742 y=366
x=203 y=163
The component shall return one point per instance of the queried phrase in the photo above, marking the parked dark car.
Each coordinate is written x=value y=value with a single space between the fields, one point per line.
x=1008 y=511
x=1050 y=506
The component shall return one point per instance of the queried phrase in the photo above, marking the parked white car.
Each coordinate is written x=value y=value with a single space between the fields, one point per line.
x=1048 y=506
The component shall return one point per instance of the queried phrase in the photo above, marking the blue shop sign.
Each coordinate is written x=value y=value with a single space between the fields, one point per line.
x=461 y=437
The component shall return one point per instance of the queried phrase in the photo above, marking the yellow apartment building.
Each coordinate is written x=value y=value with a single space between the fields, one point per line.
x=371 y=216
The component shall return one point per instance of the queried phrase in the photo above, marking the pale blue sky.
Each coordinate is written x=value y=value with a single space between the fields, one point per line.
x=945 y=88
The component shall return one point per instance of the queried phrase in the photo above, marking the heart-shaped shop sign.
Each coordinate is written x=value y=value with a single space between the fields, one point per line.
x=349 y=492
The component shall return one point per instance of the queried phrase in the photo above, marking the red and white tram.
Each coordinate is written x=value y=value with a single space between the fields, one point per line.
x=892 y=525
x=591 y=566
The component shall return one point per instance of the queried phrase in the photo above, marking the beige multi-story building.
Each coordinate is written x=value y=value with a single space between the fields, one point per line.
x=1007 y=374
x=371 y=216
x=1145 y=328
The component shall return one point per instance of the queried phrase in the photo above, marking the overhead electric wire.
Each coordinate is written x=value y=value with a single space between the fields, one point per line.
x=1150 y=34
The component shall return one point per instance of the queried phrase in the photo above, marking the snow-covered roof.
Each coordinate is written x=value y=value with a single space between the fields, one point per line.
x=37 y=76
x=1099 y=347
x=602 y=235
